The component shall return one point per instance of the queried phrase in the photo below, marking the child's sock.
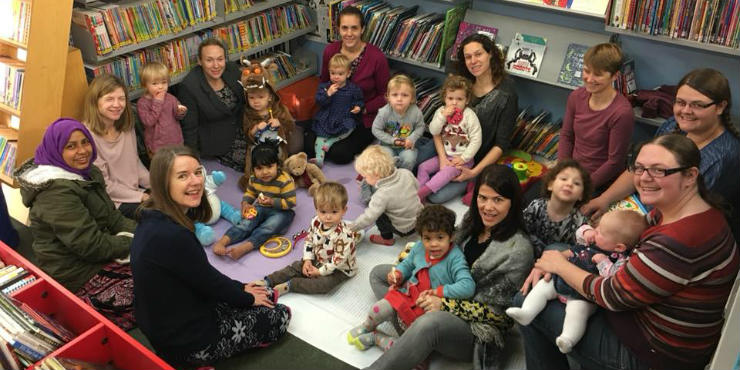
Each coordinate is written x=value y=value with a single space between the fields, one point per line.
x=378 y=239
x=282 y=288
x=564 y=344
x=384 y=342
x=423 y=193
x=364 y=341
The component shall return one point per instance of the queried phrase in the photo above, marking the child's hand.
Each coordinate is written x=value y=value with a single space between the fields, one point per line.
x=394 y=278
x=457 y=161
x=274 y=122
x=246 y=207
x=261 y=125
x=264 y=200
x=332 y=89
x=181 y=110
x=160 y=95
x=444 y=162
x=356 y=109
x=448 y=110
x=307 y=266
x=589 y=236
x=427 y=293
x=408 y=144
x=598 y=257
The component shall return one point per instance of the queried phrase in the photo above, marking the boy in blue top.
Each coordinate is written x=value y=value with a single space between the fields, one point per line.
x=434 y=266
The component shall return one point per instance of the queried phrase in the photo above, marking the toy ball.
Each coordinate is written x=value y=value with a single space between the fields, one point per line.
x=276 y=247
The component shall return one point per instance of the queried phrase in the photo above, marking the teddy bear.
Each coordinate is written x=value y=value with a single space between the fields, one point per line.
x=219 y=208
x=305 y=174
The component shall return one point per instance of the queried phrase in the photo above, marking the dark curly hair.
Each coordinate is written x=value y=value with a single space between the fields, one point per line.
x=265 y=154
x=588 y=186
x=497 y=58
x=436 y=218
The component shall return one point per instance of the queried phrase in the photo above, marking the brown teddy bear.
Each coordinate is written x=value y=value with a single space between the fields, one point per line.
x=305 y=174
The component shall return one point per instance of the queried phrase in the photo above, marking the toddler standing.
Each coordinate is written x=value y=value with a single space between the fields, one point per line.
x=274 y=191
x=340 y=104
x=393 y=206
x=329 y=251
x=434 y=266
x=457 y=137
x=159 y=110
x=400 y=122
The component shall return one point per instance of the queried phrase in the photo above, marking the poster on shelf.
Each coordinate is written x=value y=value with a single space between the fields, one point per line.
x=571 y=70
x=525 y=54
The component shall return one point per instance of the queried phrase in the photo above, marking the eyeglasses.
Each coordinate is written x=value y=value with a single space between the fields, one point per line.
x=694 y=105
x=655 y=172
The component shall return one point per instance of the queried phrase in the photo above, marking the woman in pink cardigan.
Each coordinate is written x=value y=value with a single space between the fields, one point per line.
x=368 y=70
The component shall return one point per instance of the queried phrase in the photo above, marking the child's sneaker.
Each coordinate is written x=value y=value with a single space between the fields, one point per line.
x=354 y=333
x=364 y=341
x=377 y=239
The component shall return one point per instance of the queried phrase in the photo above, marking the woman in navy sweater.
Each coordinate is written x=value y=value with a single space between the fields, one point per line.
x=190 y=312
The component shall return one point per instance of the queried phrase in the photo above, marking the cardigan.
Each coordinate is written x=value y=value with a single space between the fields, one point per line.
x=371 y=75
x=125 y=176
x=176 y=289
x=496 y=111
x=449 y=276
x=209 y=125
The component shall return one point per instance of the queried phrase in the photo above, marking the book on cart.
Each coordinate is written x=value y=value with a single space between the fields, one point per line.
x=525 y=54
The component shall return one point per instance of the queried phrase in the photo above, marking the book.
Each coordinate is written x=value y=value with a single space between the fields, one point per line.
x=453 y=21
x=525 y=54
x=466 y=29
x=572 y=68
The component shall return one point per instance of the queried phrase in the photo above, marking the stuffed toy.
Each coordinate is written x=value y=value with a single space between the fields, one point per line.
x=219 y=209
x=305 y=174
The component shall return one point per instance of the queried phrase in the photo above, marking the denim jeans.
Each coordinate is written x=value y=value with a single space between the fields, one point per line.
x=405 y=158
x=425 y=150
x=268 y=222
x=599 y=348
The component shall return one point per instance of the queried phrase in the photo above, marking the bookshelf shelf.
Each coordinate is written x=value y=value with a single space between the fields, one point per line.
x=650 y=121
x=267 y=45
x=682 y=42
x=9 y=133
x=310 y=71
x=9 y=110
x=257 y=7
x=7 y=179
x=540 y=5
x=13 y=43
x=417 y=63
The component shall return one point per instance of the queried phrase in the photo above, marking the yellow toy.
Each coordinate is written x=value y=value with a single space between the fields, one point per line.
x=276 y=247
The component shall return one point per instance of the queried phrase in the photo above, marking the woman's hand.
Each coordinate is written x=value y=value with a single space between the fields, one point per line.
x=534 y=276
x=457 y=161
x=429 y=302
x=551 y=261
x=595 y=208
x=465 y=174
x=260 y=295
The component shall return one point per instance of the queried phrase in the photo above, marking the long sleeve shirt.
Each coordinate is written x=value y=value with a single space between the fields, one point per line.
x=281 y=189
x=125 y=176
x=334 y=116
x=462 y=139
x=159 y=118
x=333 y=249
x=390 y=126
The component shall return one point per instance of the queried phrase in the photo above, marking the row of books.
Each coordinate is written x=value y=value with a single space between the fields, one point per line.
x=7 y=156
x=11 y=82
x=596 y=7
x=535 y=133
x=571 y=70
x=18 y=15
x=427 y=96
x=13 y=278
x=705 y=21
x=113 y=26
x=232 y=6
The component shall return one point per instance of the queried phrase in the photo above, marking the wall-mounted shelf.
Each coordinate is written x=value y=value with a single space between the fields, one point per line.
x=257 y=7
x=267 y=45
x=540 y=5
x=13 y=43
x=676 y=41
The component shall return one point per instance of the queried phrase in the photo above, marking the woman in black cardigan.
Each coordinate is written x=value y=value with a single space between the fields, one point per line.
x=215 y=101
x=189 y=311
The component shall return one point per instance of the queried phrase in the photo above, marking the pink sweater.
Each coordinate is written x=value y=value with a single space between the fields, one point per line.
x=160 y=121
x=125 y=175
x=598 y=140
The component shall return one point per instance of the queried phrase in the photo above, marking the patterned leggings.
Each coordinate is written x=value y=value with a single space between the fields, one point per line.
x=241 y=329
x=323 y=144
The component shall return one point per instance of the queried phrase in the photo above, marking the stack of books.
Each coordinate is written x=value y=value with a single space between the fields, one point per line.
x=536 y=134
x=11 y=82
x=113 y=26
x=231 y=6
x=13 y=278
x=19 y=20
x=7 y=156
x=427 y=96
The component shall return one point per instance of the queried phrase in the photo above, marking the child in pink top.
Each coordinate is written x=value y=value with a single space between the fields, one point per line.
x=158 y=110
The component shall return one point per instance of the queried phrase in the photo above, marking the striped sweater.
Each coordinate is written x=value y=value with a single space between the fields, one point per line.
x=672 y=290
x=281 y=189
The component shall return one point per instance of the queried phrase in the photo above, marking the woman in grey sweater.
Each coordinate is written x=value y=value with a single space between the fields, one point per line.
x=499 y=255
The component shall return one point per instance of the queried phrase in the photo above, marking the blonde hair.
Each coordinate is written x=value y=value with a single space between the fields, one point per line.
x=456 y=82
x=154 y=71
x=100 y=86
x=375 y=161
x=339 y=60
x=626 y=226
x=401 y=80
x=606 y=57
x=330 y=194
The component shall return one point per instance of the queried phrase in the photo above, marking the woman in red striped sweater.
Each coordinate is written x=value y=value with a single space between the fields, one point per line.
x=663 y=308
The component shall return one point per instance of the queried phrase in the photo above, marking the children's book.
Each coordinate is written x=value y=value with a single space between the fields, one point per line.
x=571 y=71
x=453 y=21
x=467 y=29
x=525 y=54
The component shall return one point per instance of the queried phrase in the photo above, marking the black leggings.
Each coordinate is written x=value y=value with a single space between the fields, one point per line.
x=343 y=151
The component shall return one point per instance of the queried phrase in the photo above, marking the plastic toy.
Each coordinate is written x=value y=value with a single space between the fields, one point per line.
x=300 y=235
x=252 y=213
x=276 y=247
x=527 y=170
x=219 y=209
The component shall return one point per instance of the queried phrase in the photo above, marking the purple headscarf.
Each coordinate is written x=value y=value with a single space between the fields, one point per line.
x=57 y=135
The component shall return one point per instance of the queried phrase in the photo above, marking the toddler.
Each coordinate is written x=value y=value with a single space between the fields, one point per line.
x=400 y=122
x=434 y=266
x=617 y=233
x=329 y=251
x=392 y=206
x=274 y=192
x=457 y=137
x=340 y=104
x=555 y=217
x=159 y=110
x=266 y=119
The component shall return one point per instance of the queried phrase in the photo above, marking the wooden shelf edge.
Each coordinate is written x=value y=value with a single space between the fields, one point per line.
x=676 y=41
x=13 y=43
x=8 y=180
x=9 y=109
x=555 y=8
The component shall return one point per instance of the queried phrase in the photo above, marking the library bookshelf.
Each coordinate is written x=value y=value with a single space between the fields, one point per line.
x=54 y=81
x=97 y=339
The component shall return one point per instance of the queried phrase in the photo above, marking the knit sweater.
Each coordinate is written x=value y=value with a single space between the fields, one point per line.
x=125 y=176
x=332 y=250
x=672 y=290
x=390 y=126
x=395 y=195
x=281 y=189
x=449 y=276
x=496 y=111
x=334 y=116
x=462 y=139
x=160 y=120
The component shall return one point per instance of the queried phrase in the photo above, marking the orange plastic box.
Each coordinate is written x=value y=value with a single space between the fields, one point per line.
x=299 y=97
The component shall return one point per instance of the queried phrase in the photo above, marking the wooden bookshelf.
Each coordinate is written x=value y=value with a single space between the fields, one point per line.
x=54 y=81
x=677 y=41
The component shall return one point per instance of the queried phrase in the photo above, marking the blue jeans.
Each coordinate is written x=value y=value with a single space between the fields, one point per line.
x=268 y=222
x=425 y=150
x=405 y=158
x=599 y=348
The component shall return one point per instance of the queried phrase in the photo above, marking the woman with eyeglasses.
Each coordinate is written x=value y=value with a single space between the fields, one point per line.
x=702 y=113
x=190 y=312
x=664 y=308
